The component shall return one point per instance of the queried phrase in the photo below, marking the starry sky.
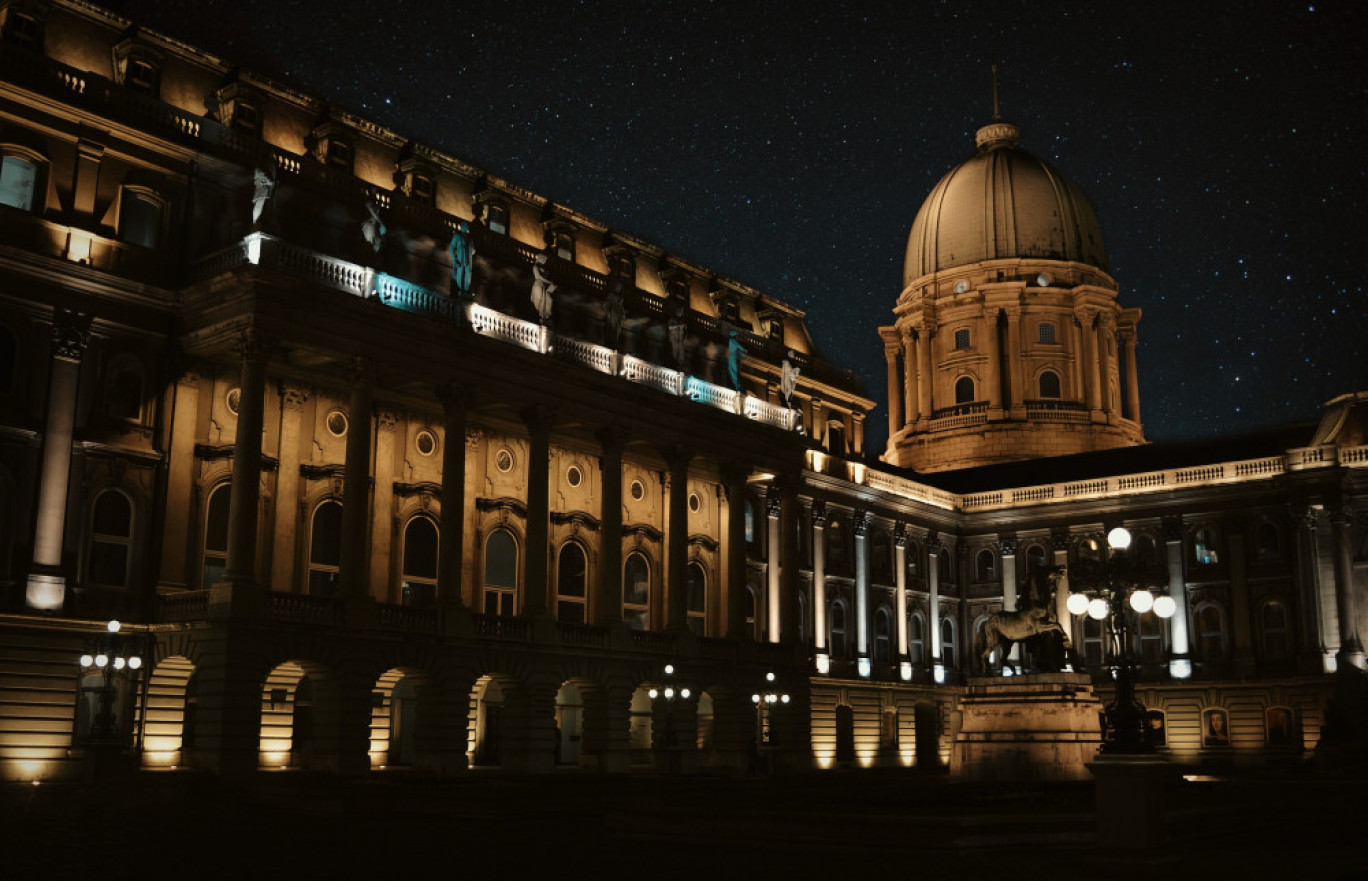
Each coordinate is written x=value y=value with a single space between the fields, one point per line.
x=789 y=145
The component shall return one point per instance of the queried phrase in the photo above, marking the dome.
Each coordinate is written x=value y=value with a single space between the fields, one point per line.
x=1002 y=203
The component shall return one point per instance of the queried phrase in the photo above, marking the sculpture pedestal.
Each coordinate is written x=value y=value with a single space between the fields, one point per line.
x=1130 y=800
x=1042 y=726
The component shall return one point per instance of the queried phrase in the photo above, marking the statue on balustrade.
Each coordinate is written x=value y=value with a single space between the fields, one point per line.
x=735 y=352
x=263 y=184
x=462 y=258
x=788 y=378
x=543 y=289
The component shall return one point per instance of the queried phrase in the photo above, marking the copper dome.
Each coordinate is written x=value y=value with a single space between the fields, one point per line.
x=1002 y=203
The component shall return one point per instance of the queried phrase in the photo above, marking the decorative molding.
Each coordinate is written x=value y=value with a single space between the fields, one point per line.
x=578 y=518
x=705 y=541
x=426 y=487
x=503 y=503
x=293 y=397
x=322 y=472
x=643 y=531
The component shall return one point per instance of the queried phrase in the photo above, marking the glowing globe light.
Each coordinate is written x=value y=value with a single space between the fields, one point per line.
x=113 y=626
x=1098 y=609
x=1119 y=538
x=769 y=677
x=669 y=694
x=86 y=660
x=1165 y=606
x=1077 y=603
x=684 y=693
x=134 y=662
x=784 y=698
x=119 y=663
x=755 y=698
x=653 y=694
x=669 y=669
x=1142 y=601
x=102 y=660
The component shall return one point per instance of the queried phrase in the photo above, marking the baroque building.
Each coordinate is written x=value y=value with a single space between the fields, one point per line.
x=386 y=462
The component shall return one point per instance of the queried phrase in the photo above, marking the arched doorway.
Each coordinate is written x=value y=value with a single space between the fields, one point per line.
x=171 y=714
x=569 y=725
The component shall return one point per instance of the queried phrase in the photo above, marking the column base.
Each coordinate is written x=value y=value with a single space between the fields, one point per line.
x=1349 y=656
x=45 y=591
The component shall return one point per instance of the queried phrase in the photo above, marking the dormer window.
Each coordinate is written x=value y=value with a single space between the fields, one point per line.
x=22 y=29
x=247 y=118
x=338 y=154
x=332 y=144
x=137 y=67
x=142 y=76
x=423 y=188
x=496 y=218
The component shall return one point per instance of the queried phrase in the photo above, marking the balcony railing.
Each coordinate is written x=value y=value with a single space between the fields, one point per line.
x=260 y=249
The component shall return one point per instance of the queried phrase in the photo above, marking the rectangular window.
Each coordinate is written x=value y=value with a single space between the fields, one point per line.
x=497 y=219
x=962 y=339
x=339 y=154
x=139 y=219
x=18 y=177
x=1047 y=332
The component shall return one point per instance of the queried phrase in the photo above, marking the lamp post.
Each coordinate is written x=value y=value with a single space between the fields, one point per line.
x=1118 y=595
x=116 y=659
x=664 y=695
x=766 y=700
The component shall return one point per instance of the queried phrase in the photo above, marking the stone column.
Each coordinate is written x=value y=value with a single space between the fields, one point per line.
x=1346 y=604
x=993 y=374
x=933 y=606
x=1132 y=377
x=1180 y=650
x=900 y=598
x=612 y=441
x=1089 y=365
x=173 y=572
x=926 y=385
x=1104 y=339
x=535 y=553
x=387 y=538
x=456 y=404
x=46 y=587
x=1007 y=548
x=1080 y=385
x=734 y=475
x=1017 y=379
x=283 y=569
x=1241 y=626
x=819 y=609
x=895 y=392
x=243 y=504
x=789 y=563
x=911 y=400
x=857 y=424
x=774 y=507
x=1312 y=651
x=860 y=523
x=677 y=554
x=356 y=489
x=1059 y=540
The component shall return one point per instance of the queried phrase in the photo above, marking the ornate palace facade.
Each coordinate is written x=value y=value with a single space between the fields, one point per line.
x=386 y=462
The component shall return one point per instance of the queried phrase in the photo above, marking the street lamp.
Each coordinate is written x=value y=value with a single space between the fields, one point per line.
x=1118 y=593
x=765 y=701
x=109 y=655
x=666 y=693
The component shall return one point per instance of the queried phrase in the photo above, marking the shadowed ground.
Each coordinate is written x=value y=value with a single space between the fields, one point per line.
x=288 y=825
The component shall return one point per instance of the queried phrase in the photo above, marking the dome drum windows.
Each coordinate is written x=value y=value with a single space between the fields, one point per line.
x=1049 y=385
x=964 y=390
x=1045 y=333
x=962 y=338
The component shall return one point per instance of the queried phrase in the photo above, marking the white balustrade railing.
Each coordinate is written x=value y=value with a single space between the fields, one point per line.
x=652 y=375
x=595 y=357
x=487 y=322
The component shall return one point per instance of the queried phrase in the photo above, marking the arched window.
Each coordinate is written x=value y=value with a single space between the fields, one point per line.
x=836 y=444
x=964 y=390
x=1274 y=631
x=750 y=524
x=111 y=539
x=1049 y=384
x=1035 y=557
x=1266 y=549
x=500 y=573
x=420 y=563
x=215 y=551
x=18 y=182
x=1211 y=641
x=1145 y=549
x=636 y=592
x=916 y=640
x=325 y=549
x=696 y=598
x=837 y=624
x=913 y=555
x=140 y=218
x=124 y=390
x=572 y=578
x=948 y=653
x=1149 y=637
x=883 y=652
x=9 y=359
x=752 y=618
x=985 y=567
x=1204 y=548
x=943 y=568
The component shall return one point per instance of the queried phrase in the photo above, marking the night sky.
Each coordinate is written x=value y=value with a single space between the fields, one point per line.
x=789 y=145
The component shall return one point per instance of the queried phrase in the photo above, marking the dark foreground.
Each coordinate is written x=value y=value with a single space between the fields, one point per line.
x=827 y=825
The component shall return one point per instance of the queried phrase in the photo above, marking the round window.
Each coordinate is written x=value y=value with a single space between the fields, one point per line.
x=503 y=460
x=234 y=399
x=426 y=442
x=638 y=490
x=695 y=503
x=573 y=476
x=337 y=423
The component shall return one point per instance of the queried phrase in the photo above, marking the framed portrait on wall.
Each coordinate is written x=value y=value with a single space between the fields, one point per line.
x=1156 y=730
x=1215 y=728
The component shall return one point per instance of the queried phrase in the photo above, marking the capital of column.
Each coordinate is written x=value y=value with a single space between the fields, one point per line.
x=1059 y=539
x=1007 y=545
x=1305 y=516
x=774 y=499
x=539 y=418
x=860 y=523
x=819 y=514
x=252 y=345
x=613 y=439
x=1341 y=517
x=456 y=396
x=901 y=536
x=1173 y=529
x=293 y=397
x=386 y=420
x=70 y=334
x=361 y=372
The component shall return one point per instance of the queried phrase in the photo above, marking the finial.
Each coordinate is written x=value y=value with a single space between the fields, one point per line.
x=996 y=115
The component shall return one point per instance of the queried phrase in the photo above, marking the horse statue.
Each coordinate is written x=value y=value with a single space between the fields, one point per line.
x=1005 y=629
